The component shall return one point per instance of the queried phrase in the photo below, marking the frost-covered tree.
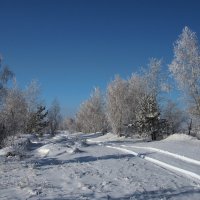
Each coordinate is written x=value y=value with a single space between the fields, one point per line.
x=5 y=75
x=185 y=68
x=174 y=116
x=144 y=96
x=70 y=125
x=153 y=78
x=135 y=101
x=33 y=96
x=136 y=91
x=91 y=115
x=148 y=116
x=14 y=111
x=36 y=111
x=54 y=116
x=117 y=104
x=38 y=121
x=148 y=107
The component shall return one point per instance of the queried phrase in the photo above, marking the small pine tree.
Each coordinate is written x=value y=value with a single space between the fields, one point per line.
x=148 y=116
x=37 y=121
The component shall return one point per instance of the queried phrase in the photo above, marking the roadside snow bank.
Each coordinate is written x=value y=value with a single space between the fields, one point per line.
x=16 y=145
x=106 y=138
x=180 y=137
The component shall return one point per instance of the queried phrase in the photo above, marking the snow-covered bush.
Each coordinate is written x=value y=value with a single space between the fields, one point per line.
x=18 y=145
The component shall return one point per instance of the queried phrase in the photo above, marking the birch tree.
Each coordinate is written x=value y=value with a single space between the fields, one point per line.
x=91 y=115
x=5 y=75
x=117 y=102
x=185 y=68
x=15 y=111
x=33 y=96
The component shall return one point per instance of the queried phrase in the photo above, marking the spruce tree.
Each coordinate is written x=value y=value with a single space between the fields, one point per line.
x=38 y=121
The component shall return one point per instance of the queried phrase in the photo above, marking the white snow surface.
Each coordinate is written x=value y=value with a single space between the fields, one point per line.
x=180 y=137
x=96 y=166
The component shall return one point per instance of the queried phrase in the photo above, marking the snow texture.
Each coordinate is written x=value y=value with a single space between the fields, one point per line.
x=75 y=166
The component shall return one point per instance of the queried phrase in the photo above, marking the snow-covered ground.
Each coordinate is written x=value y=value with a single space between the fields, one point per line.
x=92 y=166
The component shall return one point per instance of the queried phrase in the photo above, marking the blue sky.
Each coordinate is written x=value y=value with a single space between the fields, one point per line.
x=70 y=46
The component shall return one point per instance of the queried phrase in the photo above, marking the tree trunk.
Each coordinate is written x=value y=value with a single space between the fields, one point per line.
x=190 y=127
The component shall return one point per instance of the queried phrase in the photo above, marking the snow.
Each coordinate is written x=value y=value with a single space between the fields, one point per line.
x=180 y=137
x=43 y=152
x=190 y=160
x=111 y=138
x=162 y=164
x=96 y=166
x=105 y=138
x=5 y=150
x=180 y=144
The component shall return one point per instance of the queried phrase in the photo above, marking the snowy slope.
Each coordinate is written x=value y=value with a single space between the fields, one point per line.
x=65 y=167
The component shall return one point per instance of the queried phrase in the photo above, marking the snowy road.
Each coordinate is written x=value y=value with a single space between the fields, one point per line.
x=182 y=164
x=65 y=167
x=170 y=158
x=166 y=161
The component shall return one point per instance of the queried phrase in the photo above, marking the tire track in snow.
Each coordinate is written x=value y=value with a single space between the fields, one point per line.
x=160 y=163
x=180 y=157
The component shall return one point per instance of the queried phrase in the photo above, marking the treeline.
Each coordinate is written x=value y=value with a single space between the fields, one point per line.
x=23 y=111
x=133 y=106
x=141 y=105
x=137 y=105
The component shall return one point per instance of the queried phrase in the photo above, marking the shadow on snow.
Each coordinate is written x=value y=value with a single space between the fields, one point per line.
x=178 y=193
x=83 y=159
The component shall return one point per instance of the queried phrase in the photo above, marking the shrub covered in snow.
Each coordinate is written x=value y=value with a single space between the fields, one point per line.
x=18 y=145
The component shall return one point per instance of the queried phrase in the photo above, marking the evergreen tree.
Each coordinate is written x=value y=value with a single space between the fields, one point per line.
x=37 y=121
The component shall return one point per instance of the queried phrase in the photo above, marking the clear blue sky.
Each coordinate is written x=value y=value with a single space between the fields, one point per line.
x=70 y=46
